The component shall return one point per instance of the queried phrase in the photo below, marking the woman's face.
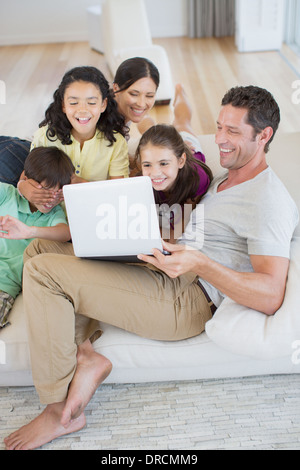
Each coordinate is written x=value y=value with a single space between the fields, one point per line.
x=137 y=100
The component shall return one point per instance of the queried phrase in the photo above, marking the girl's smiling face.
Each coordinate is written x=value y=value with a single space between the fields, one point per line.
x=83 y=105
x=161 y=165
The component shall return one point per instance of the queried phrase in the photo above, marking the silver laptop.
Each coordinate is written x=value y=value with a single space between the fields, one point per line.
x=113 y=220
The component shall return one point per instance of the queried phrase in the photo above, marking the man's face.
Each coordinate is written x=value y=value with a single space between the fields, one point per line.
x=236 y=139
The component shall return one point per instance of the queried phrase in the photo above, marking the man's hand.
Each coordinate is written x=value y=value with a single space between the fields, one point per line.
x=182 y=259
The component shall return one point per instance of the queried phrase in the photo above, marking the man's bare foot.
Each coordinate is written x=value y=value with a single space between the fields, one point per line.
x=59 y=419
x=43 y=429
x=92 y=369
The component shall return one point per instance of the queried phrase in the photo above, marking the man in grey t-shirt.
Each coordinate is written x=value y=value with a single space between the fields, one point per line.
x=249 y=217
x=241 y=224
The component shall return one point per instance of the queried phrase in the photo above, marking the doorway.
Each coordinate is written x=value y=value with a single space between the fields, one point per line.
x=293 y=25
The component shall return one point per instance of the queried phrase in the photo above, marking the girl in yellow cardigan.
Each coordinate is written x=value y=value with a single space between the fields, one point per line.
x=83 y=120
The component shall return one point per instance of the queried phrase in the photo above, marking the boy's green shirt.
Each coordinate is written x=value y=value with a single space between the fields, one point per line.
x=11 y=251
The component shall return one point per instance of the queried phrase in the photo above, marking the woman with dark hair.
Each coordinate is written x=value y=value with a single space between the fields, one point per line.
x=135 y=85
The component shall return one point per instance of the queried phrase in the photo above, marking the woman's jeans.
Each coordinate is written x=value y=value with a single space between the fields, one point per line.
x=13 y=153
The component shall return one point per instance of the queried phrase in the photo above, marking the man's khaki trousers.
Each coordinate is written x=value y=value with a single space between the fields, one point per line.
x=136 y=298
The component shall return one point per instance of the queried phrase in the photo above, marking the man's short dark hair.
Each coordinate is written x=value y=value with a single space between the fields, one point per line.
x=263 y=111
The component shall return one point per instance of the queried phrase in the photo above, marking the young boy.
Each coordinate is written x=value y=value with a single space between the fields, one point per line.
x=21 y=221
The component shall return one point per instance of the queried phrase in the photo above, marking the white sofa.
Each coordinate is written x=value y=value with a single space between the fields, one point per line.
x=237 y=342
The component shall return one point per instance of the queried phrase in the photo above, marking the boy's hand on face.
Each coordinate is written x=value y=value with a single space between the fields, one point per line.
x=36 y=194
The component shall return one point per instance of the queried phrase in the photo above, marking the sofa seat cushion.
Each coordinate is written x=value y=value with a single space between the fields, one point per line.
x=14 y=342
x=137 y=360
x=242 y=330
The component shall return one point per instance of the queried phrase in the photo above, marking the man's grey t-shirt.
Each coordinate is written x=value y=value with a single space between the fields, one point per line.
x=257 y=217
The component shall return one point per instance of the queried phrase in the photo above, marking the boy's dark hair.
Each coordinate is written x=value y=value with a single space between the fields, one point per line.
x=263 y=111
x=50 y=165
x=110 y=121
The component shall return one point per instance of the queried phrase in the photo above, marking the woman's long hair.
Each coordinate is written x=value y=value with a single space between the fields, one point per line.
x=187 y=182
x=132 y=70
x=110 y=121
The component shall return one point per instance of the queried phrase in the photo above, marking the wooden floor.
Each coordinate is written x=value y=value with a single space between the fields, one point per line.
x=207 y=68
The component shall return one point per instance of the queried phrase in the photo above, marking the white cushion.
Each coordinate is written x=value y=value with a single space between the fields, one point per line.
x=14 y=341
x=242 y=330
x=137 y=359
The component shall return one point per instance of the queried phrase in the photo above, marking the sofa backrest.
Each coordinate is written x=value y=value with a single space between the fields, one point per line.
x=124 y=25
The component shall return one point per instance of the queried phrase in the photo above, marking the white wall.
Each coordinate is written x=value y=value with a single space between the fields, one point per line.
x=37 y=21
x=34 y=21
x=167 y=18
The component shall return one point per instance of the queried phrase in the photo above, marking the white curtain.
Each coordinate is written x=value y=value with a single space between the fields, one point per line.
x=211 y=18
